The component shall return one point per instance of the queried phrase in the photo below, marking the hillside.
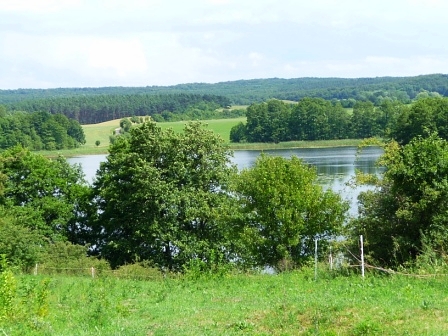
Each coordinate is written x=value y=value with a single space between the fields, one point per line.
x=249 y=91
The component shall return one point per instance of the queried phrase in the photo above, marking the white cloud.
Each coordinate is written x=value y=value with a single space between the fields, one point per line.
x=49 y=43
x=39 y=6
x=124 y=57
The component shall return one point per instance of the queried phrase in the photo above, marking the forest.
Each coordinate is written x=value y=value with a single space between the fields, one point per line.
x=169 y=103
x=318 y=119
x=92 y=109
x=39 y=130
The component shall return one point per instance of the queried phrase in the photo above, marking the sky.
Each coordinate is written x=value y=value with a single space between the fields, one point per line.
x=93 y=43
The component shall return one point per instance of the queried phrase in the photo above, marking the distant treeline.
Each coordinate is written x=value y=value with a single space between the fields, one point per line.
x=91 y=109
x=318 y=119
x=245 y=92
x=39 y=130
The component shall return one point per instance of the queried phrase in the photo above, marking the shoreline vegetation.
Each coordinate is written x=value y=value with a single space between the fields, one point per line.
x=101 y=132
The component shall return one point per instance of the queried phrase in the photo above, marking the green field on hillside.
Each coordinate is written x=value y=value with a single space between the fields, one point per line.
x=102 y=131
x=285 y=304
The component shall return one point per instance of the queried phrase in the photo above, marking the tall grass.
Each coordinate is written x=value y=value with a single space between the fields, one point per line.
x=290 y=303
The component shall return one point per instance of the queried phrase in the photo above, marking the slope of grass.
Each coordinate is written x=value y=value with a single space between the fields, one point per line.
x=285 y=304
x=102 y=131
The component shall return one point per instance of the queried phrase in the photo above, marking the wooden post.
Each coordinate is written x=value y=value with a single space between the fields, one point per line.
x=35 y=270
x=362 y=255
x=315 y=259
x=92 y=269
x=330 y=260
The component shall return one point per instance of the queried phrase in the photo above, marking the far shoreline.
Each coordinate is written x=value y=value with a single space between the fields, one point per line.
x=104 y=150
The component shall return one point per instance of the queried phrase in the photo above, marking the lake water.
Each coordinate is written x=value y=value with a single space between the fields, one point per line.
x=335 y=166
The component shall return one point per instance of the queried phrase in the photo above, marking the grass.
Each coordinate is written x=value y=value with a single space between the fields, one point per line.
x=286 y=304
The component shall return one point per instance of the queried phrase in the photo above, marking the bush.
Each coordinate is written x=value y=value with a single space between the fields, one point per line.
x=70 y=259
x=138 y=271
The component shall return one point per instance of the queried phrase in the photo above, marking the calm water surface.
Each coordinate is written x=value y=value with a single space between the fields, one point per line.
x=335 y=166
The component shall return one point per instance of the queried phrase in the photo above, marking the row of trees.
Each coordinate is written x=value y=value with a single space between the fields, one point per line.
x=174 y=199
x=39 y=130
x=171 y=199
x=91 y=109
x=319 y=119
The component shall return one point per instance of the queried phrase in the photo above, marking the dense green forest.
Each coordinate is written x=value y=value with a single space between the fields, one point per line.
x=93 y=105
x=318 y=119
x=91 y=109
x=39 y=130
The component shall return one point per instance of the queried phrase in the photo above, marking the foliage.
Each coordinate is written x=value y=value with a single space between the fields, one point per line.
x=138 y=271
x=176 y=199
x=408 y=205
x=284 y=210
x=40 y=130
x=95 y=108
x=425 y=116
x=240 y=92
x=21 y=302
x=48 y=192
x=313 y=119
x=67 y=258
x=18 y=243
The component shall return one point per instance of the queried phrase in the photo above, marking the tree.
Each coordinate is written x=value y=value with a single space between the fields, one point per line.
x=284 y=209
x=267 y=122
x=19 y=244
x=425 y=116
x=365 y=121
x=50 y=190
x=162 y=197
x=408 y=207
x=238 y=133
x=309 y=119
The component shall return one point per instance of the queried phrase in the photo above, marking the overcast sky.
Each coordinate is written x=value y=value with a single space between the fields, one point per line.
x=90 y=43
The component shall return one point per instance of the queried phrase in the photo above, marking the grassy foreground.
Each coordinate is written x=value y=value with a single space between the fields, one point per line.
x=286 y=304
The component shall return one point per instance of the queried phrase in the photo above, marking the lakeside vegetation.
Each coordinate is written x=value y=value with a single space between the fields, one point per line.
x=175 y=240
x=102 y=131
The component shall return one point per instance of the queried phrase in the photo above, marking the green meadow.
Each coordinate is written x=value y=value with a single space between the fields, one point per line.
x=290 y=303
x=101 y=132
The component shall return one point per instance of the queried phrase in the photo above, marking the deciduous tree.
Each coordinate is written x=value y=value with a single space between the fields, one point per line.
x=163 y=197
x=285 y=209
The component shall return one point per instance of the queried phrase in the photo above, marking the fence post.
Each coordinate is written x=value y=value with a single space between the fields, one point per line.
x=330 y=260
x=315 y=259
x=362 y=255
x=92 y=269
x=35 y=270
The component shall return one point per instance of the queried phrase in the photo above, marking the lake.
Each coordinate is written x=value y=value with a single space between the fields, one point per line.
x=335 y=166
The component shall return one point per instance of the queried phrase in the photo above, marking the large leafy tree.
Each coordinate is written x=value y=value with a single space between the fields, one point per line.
x=366 y=120
x=284 y=210
x=49 y=191
x=162 y=197
x=267 y=122
x=309 y=119
x=425 y=116
x=409 y=206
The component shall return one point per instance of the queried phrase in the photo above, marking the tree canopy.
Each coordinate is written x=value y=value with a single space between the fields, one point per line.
x=408 y=208
x=40 y=130
x=284 y=210
x=162 y=197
